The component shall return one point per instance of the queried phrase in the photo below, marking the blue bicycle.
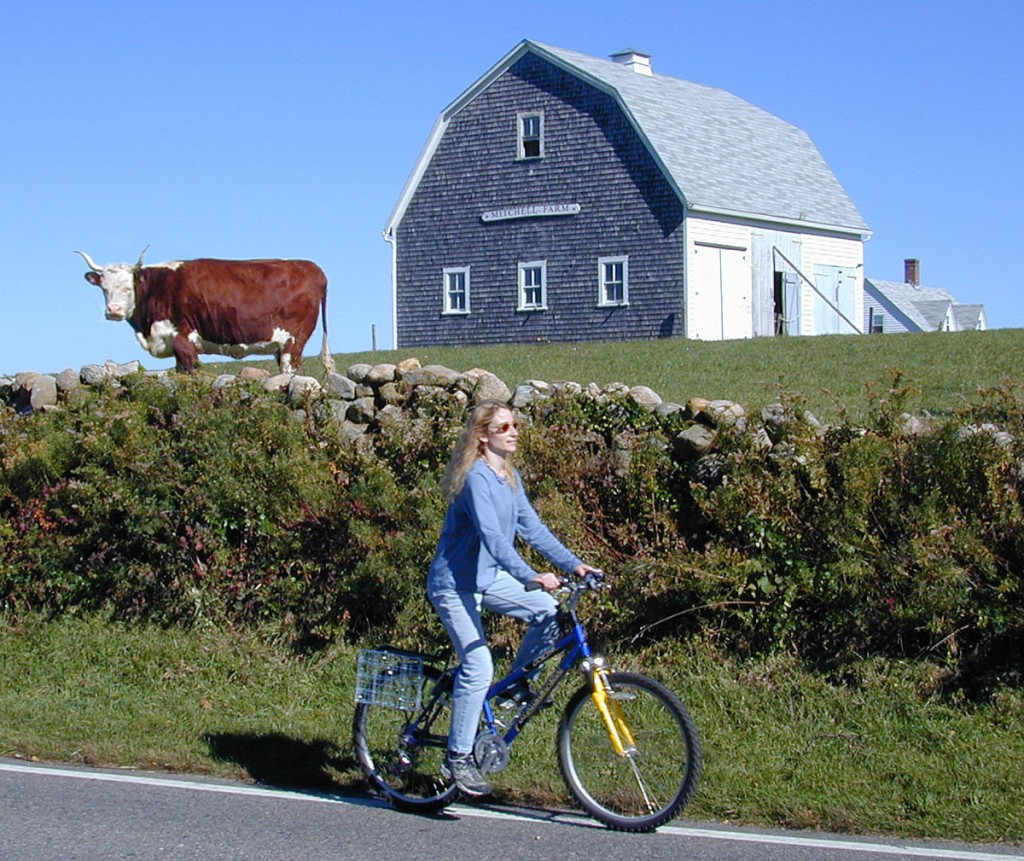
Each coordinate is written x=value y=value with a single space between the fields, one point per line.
x=628 y=750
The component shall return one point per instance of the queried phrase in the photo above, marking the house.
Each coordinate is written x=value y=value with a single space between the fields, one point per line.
x=564 y=197
x=908 y=307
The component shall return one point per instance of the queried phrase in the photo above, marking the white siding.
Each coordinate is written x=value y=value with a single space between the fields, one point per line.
x=841 y=252
x=730 y=278
x=719 y=280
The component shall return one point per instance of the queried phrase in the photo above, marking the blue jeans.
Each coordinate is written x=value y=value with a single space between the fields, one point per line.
x=460 y=614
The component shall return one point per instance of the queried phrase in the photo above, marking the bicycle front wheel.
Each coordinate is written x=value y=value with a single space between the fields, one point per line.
x=401 y=752
x=650 y=782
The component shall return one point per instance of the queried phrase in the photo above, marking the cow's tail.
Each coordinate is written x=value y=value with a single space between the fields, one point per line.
x=325 y=350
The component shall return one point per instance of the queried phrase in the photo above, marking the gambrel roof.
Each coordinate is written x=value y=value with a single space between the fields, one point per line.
x=721 y=154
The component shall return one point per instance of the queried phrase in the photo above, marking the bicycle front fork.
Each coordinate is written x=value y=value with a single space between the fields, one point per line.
x=608 y=707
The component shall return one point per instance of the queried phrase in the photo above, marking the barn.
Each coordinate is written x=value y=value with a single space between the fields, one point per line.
x=564 y=197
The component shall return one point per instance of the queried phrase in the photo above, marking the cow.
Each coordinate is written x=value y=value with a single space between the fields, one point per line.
x=224 y=307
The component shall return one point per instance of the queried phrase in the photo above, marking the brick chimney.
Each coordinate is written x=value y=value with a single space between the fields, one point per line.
x=638 y=61
x=912 y=271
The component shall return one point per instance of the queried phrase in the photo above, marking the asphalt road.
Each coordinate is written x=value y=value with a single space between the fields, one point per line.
x=82 y=814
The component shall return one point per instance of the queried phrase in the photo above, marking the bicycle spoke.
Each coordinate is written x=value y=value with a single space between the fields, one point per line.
x=651 y=782
x=406 y=770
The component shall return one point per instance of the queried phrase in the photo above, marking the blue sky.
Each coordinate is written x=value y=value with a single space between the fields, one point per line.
x=260 y=129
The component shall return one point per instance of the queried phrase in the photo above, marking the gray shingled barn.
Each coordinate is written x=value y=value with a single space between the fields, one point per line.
x=564 y=197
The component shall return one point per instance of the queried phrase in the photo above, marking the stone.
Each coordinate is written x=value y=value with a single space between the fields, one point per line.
x=667 y=409
x=93 y=375
x=390 y=414
x=567 y=387
x=393 y=394
x=530 y=391
x=277 y=383
x=728 y=414
x=693 y=442
x=645 y=397
x=340 y=387
x=482 y=386
x=358 y=372
x=252 y=372
x=910 y=425
x=67 y=380
x=696 y=407
x=432 y=375
x=43 y=392
x=301 y=389
x=117 y=371
x=352 y=432
x=380 y=374
x=361 y=411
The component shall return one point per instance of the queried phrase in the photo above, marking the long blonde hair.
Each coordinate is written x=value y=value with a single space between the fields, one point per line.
x=470 y=447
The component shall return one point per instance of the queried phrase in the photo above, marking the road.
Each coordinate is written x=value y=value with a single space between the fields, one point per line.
x=82 y=814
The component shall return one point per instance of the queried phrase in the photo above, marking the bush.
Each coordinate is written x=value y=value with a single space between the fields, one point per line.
x=188 y=505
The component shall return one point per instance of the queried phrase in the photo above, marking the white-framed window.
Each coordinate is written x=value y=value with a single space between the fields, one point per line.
x=613 y=281
x=530 y=134
x=533 y=286
x=456 y=290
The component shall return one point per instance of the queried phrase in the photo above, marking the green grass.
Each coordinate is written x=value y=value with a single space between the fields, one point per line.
x=827 y=371
x=878 y=754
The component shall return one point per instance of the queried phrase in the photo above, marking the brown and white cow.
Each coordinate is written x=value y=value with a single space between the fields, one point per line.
x=224 y=307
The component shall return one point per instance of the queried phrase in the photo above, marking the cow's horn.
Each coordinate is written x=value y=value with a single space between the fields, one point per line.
x=88 y=260
x=143 y=254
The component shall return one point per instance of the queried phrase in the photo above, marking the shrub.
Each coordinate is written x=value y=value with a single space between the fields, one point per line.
x=189 y=505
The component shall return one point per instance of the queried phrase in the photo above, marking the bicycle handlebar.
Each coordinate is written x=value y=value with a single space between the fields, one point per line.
x=591 y=581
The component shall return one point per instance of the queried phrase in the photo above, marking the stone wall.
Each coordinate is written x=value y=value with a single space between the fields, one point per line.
x=366 y=394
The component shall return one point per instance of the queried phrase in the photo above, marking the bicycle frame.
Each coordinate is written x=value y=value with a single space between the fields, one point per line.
x=575 y=650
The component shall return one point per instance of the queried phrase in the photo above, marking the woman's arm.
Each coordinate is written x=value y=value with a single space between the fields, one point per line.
x=540 y=537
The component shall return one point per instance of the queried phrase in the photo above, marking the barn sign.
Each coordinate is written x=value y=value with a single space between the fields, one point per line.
x=533 y=211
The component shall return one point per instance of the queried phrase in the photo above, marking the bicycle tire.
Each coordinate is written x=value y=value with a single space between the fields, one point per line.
x=640 y=791
x=408 y=776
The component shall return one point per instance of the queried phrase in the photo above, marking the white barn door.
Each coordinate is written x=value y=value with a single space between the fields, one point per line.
x=720 y=294
x=839 y=286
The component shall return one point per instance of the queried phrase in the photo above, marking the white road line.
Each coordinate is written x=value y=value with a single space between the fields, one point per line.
x=466 y=811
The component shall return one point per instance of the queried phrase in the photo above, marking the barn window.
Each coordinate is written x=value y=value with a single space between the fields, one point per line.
x=533 y=286
x=613 y=278
x=531 y=135
x=456 y=290
x=876 y=322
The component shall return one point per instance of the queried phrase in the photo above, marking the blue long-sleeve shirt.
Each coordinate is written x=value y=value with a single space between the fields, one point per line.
x=479 y=533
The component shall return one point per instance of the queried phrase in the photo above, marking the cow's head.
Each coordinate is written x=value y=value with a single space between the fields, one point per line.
x=117 y=281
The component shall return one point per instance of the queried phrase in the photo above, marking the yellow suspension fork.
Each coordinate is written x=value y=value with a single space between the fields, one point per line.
x=608 y=707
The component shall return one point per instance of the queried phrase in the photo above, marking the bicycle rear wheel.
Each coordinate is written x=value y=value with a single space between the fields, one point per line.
x=649 y=784
x=404 y=761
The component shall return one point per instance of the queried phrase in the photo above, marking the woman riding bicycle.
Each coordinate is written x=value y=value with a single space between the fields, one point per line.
x=476 y=566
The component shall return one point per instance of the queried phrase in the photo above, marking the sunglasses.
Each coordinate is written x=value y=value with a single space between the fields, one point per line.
x=504 y=427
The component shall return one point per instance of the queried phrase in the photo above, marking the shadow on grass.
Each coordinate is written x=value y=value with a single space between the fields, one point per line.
x=275 y=759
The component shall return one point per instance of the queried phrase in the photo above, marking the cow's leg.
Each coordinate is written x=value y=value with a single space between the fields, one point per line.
x=186 y=353
x=290 y=357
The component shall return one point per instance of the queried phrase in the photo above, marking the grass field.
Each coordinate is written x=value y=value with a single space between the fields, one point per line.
x=782 y=747
x=827 y=371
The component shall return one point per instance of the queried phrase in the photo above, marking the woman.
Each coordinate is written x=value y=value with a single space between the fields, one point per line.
x=476 y=566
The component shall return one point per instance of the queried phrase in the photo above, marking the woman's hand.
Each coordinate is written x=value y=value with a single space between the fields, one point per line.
x=547 y=581
x=584 y=569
